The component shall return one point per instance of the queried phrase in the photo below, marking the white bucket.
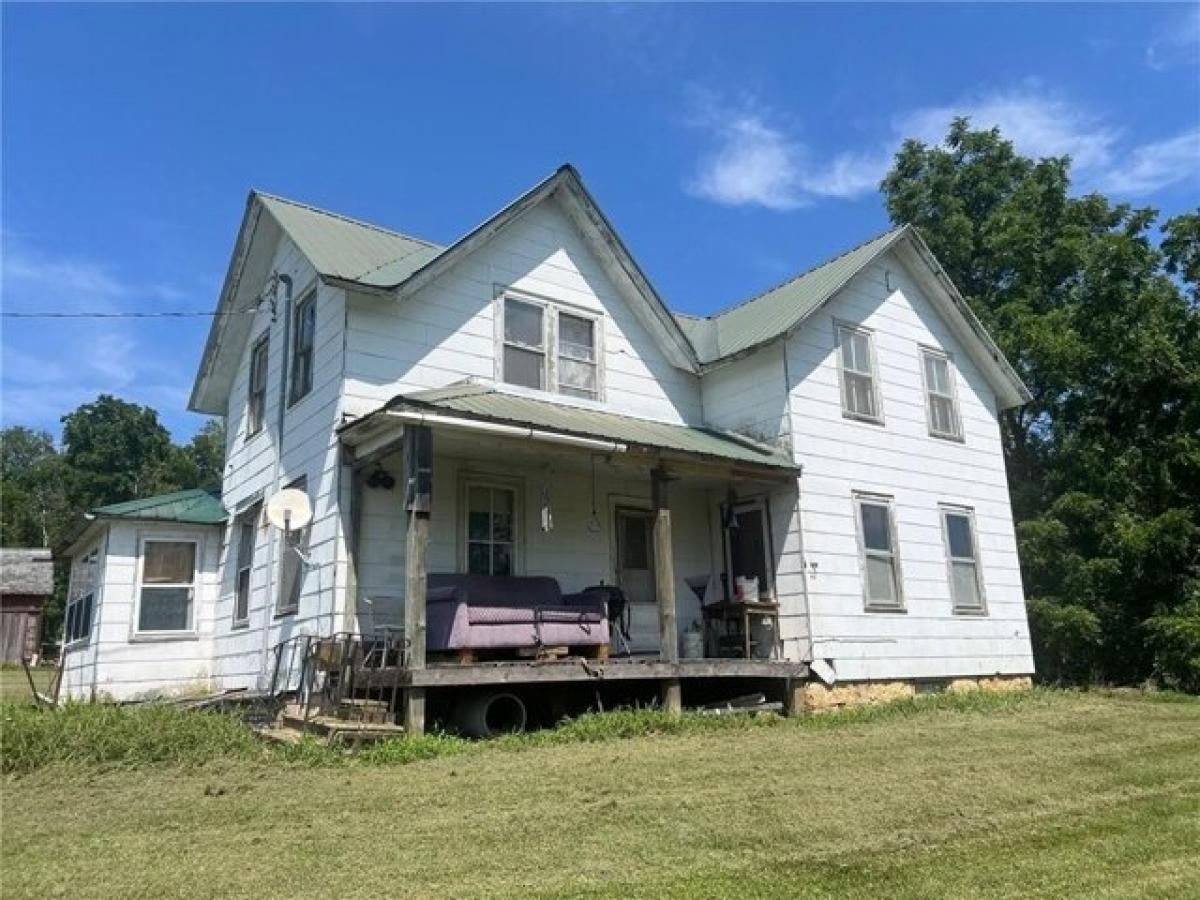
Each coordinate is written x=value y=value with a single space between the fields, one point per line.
x=746 y=589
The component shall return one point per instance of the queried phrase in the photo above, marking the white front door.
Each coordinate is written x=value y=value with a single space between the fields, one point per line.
x=635 y=576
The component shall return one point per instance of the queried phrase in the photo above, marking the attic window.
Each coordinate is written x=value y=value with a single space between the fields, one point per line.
x=529 y=328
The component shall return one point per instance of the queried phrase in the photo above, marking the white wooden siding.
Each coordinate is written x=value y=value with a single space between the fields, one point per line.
x=446 y=332
x=118 y=664
x=901 y=459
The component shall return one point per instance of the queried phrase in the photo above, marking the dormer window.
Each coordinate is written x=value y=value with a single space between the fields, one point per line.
x=530 y=328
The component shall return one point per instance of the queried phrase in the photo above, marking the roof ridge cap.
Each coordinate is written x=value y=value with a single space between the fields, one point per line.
x=345 y=218
x=890 y=232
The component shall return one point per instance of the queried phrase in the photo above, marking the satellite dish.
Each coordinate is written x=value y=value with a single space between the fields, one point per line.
x=289 y=510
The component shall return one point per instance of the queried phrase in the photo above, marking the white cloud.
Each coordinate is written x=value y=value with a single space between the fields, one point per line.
x=1177 y=42
x=752 y=163
x=754 y=160
x=1038 y=122
x=1154 y=166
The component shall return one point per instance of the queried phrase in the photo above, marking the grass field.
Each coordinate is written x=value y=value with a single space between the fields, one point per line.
x=1055 y=794
x=14 y=686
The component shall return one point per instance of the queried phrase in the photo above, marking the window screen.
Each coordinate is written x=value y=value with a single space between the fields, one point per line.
x=858 y=379
x=877 y=536
x=167 y=592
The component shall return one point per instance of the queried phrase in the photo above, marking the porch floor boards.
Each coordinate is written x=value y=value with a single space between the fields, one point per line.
x=576 y=669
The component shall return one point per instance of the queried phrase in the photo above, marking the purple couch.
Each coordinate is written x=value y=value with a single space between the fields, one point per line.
x=482 y=612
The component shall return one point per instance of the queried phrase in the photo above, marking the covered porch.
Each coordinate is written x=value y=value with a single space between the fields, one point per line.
x=692 y=525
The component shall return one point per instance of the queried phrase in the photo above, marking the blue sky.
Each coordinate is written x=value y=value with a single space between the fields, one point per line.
x=730 y=145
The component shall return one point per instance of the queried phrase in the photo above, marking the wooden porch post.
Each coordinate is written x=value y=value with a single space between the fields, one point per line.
x=664 y=587
x=418 y=503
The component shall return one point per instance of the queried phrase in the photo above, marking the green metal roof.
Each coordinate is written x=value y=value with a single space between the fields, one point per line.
x=782 y=308
x=197 y=507
x=339 y=247
x=484 y=402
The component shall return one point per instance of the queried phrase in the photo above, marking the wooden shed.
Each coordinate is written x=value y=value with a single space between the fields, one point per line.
x=26 y=583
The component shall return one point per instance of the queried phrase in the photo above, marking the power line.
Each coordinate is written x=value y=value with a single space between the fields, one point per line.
x=170 y=314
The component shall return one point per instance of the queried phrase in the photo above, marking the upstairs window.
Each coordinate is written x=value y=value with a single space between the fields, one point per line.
x=877 y=543
x=247 y=537
x=940 y=402
x=491 y=533
x=962 y=554
x=524 y=344
x=860 y=399
x=167 y=591
x=304 y=335
x=550 y=349
x=256 y=405
x=577 y=356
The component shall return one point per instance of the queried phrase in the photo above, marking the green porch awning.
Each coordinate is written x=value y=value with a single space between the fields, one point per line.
x=486 y=403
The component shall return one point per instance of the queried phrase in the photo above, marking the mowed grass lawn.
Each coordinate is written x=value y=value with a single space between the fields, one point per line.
x=1056 y=794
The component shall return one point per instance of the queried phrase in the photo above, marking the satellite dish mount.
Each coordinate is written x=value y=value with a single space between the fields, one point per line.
x=291 y=512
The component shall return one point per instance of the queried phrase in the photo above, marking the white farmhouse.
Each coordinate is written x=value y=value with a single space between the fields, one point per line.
x=824 y=460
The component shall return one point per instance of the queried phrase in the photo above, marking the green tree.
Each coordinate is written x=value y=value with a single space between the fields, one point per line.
x=116 y=451
x=32 y=500
x=1104 y=463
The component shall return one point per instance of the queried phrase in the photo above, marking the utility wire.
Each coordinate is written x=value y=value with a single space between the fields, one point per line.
x=174 y=314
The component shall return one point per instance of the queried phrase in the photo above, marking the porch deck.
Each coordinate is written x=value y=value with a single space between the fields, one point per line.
x=578 y=669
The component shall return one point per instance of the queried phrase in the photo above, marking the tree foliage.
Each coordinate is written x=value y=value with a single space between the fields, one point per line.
x=112 y=451
x=1101 y=321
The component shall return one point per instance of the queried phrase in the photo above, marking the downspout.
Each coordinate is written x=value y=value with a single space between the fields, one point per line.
x=272 y=573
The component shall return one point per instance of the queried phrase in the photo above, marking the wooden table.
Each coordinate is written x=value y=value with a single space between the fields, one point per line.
x=742 y=612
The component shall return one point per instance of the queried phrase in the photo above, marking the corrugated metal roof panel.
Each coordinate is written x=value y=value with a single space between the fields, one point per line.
x=485 y=402
x=780 y=309
x=197 y=507
x=339 y=247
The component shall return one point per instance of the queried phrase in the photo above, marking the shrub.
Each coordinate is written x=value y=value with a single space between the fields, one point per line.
x=1065 y=640
x=1175 y=640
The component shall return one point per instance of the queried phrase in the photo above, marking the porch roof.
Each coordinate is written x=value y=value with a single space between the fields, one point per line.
x=486 y=403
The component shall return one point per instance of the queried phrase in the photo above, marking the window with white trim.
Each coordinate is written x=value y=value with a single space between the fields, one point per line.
x=860 y=397
x=247 y=537
x=549 y=348
x=81 y=598
x=576 y=364
x=256 y=401
x=962 y=557
x=167 y=586
x=879 y=554
x=303 y=342
x=524 y=344
x=490 y=529
x=941 y=404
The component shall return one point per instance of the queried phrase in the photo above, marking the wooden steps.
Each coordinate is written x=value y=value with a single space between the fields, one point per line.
x=355 y=722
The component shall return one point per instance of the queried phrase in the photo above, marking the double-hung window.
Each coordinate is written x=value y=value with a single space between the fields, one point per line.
x=303 y=341
x=941 y=404
x=962 y=556
x=256 y=405
x=524 y=344
x=81 y=597
x=550 y=349
x=860 y=397
x=166 y=594
x=491 y=529
x=247 y=535
x=878 y=546
x=576 y=362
